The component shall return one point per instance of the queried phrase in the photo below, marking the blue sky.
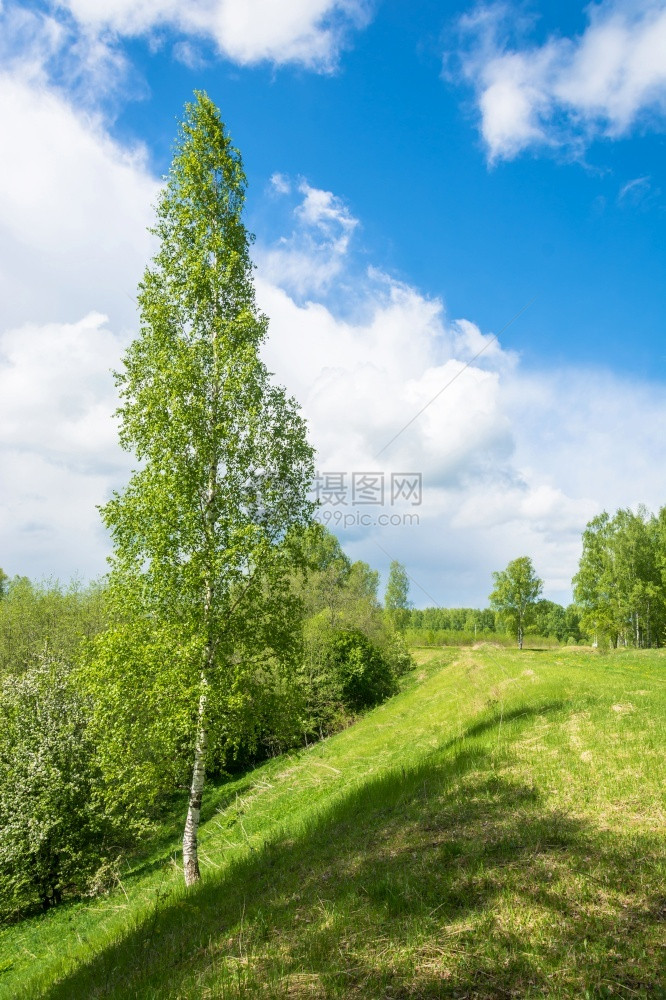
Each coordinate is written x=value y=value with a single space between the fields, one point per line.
x=417 y=175
x=400 y=144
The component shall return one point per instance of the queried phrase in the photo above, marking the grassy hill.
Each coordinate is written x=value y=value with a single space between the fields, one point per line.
x=496 y=830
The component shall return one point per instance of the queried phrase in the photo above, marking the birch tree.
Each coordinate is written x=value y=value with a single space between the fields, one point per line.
x=396 y=599
x=514 y=595
x=619 y=584
x=224 y=463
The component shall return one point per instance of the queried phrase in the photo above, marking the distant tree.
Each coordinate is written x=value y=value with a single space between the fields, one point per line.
x=200 y=534
x=321 y=580
x=340 y=599
x=35 y=618
x=514 y=595
x=549 y=619
x=3 y=582
x=619 y=586
x=396 y=598
x=329 y=582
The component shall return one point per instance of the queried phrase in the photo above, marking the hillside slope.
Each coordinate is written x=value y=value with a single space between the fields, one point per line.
x=496 y=830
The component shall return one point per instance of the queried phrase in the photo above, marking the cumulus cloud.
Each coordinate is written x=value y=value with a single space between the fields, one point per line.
x=511 y=462
x=56 y=394
x=308 y=261
x=309 y=32
x=58 y=445
x=605 y=82
x=74 y=207
x=361 y=381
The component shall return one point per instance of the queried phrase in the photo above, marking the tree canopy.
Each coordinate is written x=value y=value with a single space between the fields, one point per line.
x=514 y=595
x=620 y=583
x=396 y=599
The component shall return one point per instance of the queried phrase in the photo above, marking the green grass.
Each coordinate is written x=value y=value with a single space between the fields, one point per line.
x=496 y=830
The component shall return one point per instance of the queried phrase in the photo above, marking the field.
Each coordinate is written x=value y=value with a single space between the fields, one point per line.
x=495 y=830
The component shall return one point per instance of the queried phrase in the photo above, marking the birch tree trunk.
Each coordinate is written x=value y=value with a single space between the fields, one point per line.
x=190 y=836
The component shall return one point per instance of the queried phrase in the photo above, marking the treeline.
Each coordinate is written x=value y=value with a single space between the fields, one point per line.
x=619 y=594
x=80 y=787
x=455 y=626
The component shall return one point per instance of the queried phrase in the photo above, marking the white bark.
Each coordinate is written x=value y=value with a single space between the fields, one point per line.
x=191 y=832
x=190 y=836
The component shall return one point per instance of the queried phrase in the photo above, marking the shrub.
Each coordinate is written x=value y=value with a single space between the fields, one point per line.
x=397 y=655
x=54 y=835
x=343 y=672
x=364 y=676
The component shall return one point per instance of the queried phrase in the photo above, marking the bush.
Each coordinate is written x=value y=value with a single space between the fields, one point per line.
x=364 y=676
x=54 y=835
x=343 y=672
x=397 y=655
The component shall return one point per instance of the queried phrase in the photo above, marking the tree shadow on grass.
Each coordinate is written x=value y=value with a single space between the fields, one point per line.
x=166 y=841
x=446 y=880
x=500 y=718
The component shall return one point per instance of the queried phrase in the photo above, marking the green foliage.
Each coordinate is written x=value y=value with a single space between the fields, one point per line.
x=225 y=461
x=465 y=626
x=469 y=620
x=551 y=619
x=449 y=637
x=345 y=672
x=143 y=680
x=54 y=834
x=201 y=534
x=364 y=676
x=514 y=595
x=141 y=715
x=47 y=617
x=397 y=655
x=396 y=599
x=329 y=580
x=620 y=585
x=340 y=599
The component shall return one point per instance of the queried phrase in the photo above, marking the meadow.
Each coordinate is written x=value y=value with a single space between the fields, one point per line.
x=494 y=830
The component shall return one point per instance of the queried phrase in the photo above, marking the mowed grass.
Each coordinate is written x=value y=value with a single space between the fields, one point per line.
x=496 y=830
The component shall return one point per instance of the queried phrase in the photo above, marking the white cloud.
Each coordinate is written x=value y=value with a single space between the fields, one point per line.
x=309 y=32
x=313 y=255
x=633 y=189
x=361 y=382
x=74 y=207
x=605 y=82
x=640 y=193
x=189 y=55
x=39 y=46
x=280 y=184
x=58 y=445
x=49 y=524
x=512 y=462
x=56 y=393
